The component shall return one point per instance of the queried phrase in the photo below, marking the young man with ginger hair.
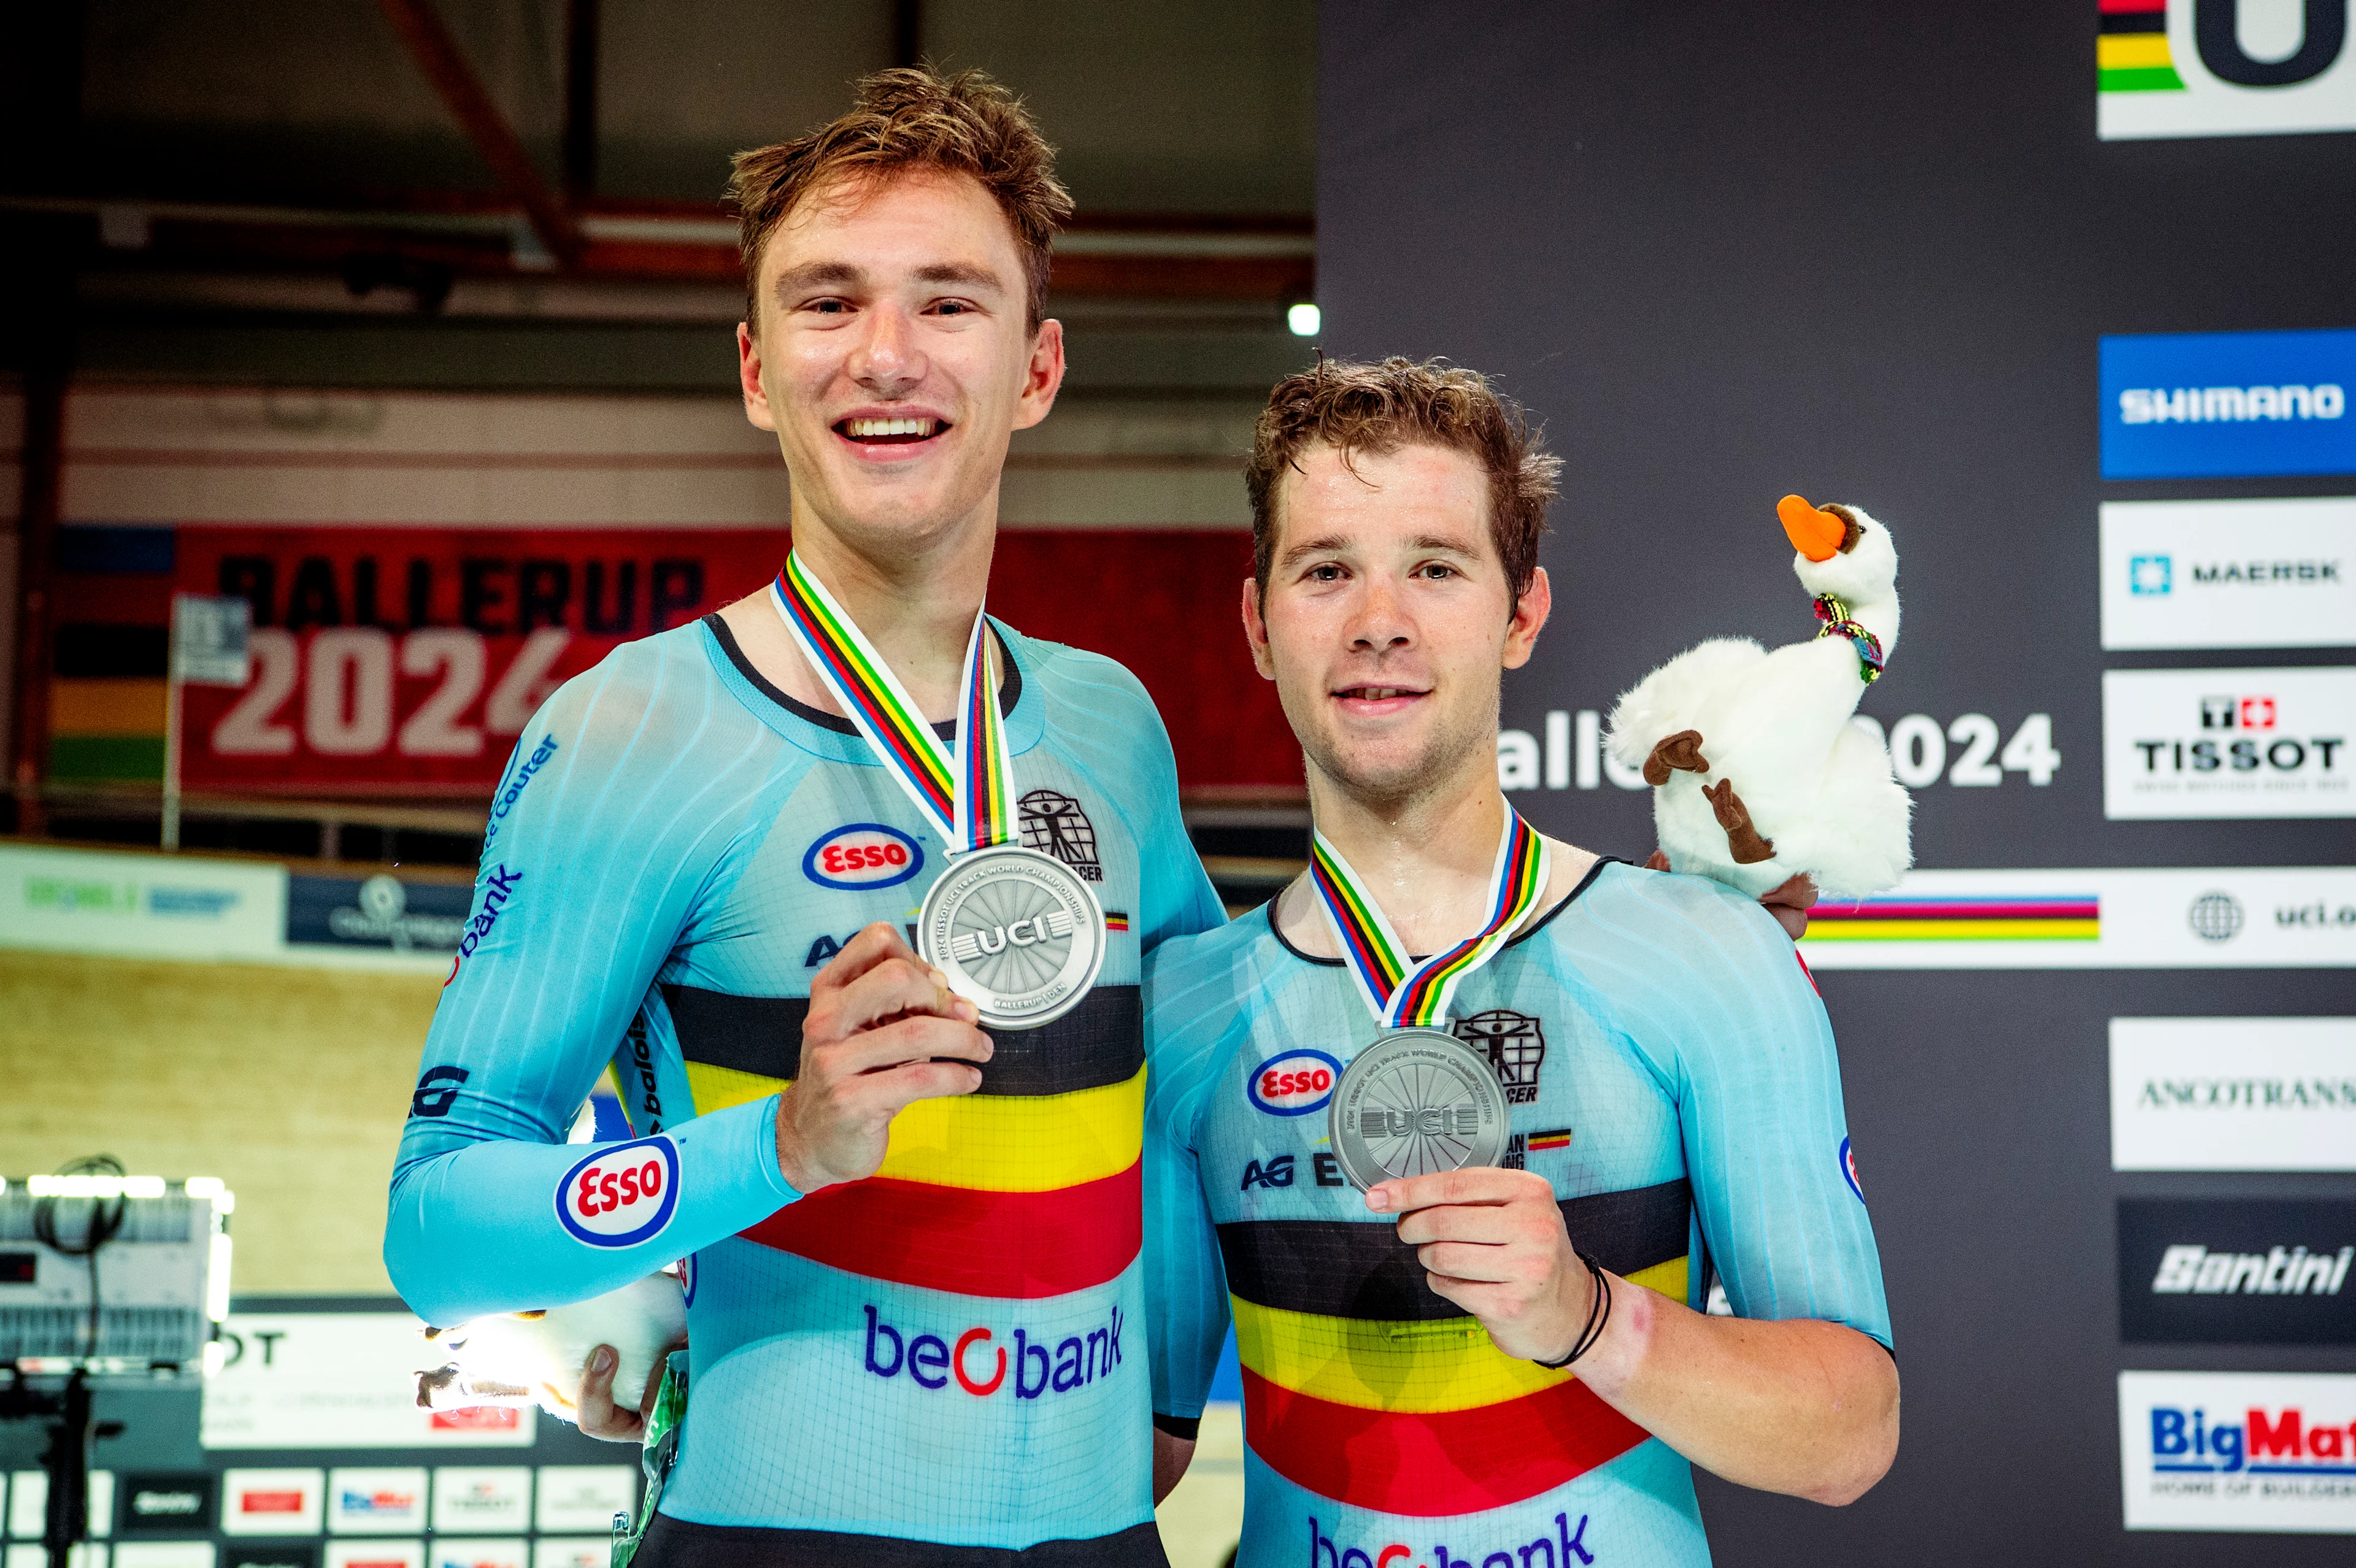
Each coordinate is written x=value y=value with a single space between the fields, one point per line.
x=915 y=1294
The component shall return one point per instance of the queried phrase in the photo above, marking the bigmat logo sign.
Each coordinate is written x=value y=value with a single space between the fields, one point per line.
x=2223 y=68
x=2228 y=742
x=2258 y=1451
x=2228 y=405
x=2237 y=1271
x=2233 y=1094
x=2229 y=575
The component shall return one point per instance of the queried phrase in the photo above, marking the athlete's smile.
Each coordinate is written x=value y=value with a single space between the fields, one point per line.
x=1368 y=699
x=887 y=432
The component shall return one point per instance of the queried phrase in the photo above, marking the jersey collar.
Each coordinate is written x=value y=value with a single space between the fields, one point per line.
x=833 y=737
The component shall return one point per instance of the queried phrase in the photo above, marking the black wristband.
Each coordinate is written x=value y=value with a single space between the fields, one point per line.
x=1599 y=1314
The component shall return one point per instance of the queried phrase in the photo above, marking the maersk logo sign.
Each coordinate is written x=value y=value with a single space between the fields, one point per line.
x=2233 y=1094
x=2228 y=744
x=2255 y=1451
x=2229 y=575
x=2223 y=68
x=2228 y=405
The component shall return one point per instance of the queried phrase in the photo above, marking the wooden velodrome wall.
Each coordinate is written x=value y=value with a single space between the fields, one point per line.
x=288 y=1083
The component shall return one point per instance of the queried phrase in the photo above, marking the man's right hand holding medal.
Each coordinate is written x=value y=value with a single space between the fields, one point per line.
x=883 y=1029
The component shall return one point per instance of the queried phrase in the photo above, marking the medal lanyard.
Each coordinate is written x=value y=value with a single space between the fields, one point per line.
x=1406 y=995
x=967 y=794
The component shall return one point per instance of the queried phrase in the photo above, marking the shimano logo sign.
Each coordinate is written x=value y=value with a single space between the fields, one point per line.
x=2227 y=404
x=2197 y=405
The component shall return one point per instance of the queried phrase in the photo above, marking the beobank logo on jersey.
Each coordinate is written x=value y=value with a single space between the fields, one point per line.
x=1325 y=1551
x=863 y=855
x=622 y=1195
x=1295 y=1083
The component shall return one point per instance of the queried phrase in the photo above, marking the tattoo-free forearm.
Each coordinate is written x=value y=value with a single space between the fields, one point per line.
x=1802 y=1407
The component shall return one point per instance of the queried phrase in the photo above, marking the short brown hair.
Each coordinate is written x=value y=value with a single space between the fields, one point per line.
x=912 y=118
x=1355 y=407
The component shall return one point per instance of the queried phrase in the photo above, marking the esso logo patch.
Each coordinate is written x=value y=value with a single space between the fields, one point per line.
x=1849 y=1169
x=621 y=1195
x=1295 y=1083
x=863 y=855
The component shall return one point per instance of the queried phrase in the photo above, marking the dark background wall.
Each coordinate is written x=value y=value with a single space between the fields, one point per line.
x=1866 y=251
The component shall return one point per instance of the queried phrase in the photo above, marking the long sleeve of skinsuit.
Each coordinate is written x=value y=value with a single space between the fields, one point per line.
x=626 y=813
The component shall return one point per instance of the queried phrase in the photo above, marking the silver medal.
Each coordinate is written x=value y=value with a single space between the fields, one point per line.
x=1415 y=1102
x=1017 y=932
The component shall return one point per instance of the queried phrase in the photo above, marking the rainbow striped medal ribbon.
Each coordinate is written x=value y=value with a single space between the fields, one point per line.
x=1419 y=1100
x=1017 y=932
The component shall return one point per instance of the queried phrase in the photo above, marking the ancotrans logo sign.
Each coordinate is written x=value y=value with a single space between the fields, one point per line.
x=2233 y=1094
x=2227 y=404
x=2228 y=742
x=2237 y=1271
x=2257 y=1451
x=2229 y=575
x=2223 y=68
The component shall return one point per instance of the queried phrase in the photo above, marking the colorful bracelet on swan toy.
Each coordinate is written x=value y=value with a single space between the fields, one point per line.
x=1839 y=622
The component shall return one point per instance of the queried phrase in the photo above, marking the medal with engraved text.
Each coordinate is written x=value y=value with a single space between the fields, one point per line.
x=1418 y=1100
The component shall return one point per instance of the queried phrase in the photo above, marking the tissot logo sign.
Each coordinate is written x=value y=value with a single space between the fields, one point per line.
x=2237 y=1271
x=2257 y=1451
x=2233 y=1095
x=2229 y=575
x=2228 y=405
x=2224 y=68
x=2228 y=742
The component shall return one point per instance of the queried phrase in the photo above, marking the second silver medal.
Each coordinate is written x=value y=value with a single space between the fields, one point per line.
x=1416 y=1101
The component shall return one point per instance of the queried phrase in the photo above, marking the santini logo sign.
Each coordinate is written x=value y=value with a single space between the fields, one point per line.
x=2217 y=404
x=2237 y=1271
x=2224 y=68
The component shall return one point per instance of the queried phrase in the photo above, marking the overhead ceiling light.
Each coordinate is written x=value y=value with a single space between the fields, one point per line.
x=1305 y=320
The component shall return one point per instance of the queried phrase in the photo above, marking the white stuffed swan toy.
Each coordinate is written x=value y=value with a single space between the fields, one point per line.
x=1760 y=770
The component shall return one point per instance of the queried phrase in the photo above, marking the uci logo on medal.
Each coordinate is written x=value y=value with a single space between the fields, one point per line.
x=622 y=1195
x=1295 y=1083
x=862 y=854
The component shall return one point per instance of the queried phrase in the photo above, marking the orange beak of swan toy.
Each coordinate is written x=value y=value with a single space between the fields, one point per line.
x=1814 y=532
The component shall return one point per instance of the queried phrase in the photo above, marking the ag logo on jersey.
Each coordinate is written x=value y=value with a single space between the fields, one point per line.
x=622 y=1195
x=1295 y=1083
x=862 y=854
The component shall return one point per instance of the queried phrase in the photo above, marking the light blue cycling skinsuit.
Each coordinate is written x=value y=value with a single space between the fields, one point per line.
x=1669 y=1069
x=948 y=1352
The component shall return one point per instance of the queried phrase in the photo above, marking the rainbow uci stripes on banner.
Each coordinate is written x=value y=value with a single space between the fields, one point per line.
x=2131 y=51
x=2034 y=917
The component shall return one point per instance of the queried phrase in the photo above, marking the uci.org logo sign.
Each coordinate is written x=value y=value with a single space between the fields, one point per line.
x=862 y=854
x=2190 y=405
x=2223 y=68
x=622 y=1195
x=1295 y=1083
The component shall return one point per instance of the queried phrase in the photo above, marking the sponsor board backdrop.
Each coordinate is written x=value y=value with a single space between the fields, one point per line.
x=1915 y=259
x=308 y=1449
